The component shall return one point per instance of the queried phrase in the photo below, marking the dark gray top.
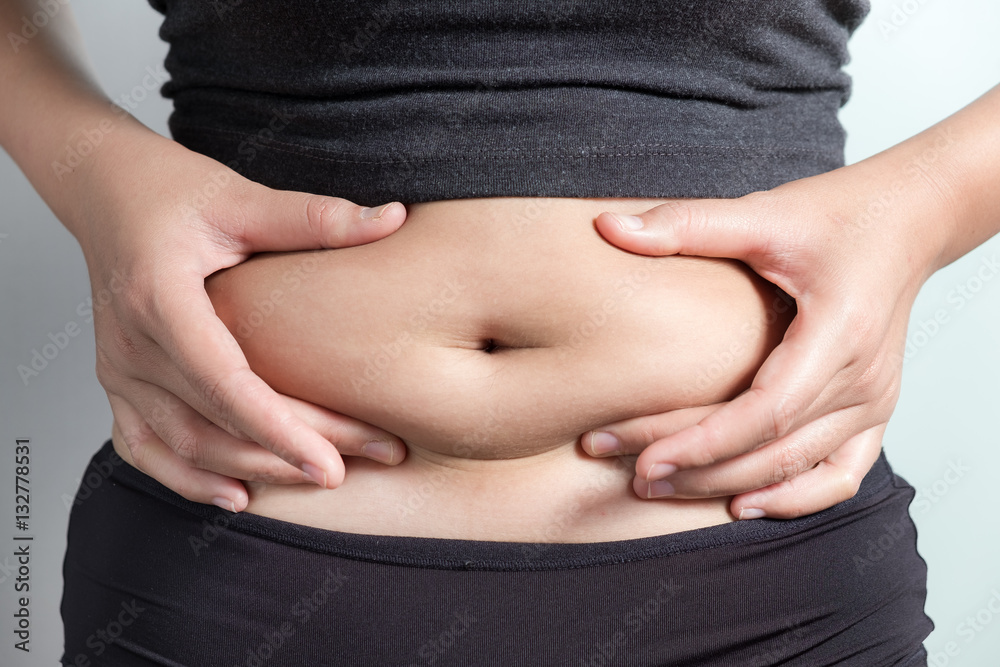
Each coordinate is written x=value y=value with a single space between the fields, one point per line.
x=380 y=100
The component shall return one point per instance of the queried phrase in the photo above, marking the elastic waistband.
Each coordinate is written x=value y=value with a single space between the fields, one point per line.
x=450 y=554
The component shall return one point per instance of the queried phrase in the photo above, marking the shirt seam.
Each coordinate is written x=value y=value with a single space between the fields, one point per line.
x=524 y=153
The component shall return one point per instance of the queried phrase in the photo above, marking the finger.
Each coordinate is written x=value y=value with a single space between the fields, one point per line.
x=277 y=220
x=350 y=436
x=631 y=436
x=221 y=386
x=704 y=227
x=145 y=451
x=834 y=480
x=201 y=444
x=781 y=460
x=787 y=384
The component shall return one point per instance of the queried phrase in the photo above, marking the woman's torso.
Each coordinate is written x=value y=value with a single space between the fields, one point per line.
x=382 y=100
x=489 y=335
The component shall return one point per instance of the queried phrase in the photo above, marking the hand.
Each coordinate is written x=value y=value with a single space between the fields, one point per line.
x=809 y=428
x=158 y=219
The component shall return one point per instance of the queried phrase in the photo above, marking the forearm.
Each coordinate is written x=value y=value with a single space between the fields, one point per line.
x=53 y=111
x=938 y=190
x=974 y=171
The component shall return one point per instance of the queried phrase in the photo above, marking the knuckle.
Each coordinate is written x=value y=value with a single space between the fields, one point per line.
x=216 y=394
x=340 y=435
x=700 y=457
x=879 y=384
x=124 y=341
x=709 y=450
x=700 y=487
x=685 y=215
x=266 y=477
x=643 y=435
x=134 y=443
x=323 y=215
x=276 y=472
x=185 y=445
x=708 y=447
x=848 y=485
x=789 y=464
x=684 y=218
x=779 y=419
x=107 y=374
x=871 y=378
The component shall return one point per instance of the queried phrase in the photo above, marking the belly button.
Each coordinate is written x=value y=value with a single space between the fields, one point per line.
x=494 y=346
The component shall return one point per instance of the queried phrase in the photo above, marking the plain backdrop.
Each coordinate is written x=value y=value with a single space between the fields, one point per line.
x=914 y=63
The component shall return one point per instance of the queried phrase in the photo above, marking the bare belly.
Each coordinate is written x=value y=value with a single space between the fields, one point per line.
x=490 y=334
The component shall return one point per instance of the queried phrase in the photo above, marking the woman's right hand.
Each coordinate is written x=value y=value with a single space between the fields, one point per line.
x=156 y=219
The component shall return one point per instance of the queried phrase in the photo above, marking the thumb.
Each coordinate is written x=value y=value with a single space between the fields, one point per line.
x=703 y=227
x=282 y=220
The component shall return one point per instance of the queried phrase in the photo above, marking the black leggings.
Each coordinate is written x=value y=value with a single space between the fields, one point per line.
x=152 y=579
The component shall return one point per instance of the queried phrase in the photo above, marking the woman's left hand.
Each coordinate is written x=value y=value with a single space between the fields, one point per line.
x=810 y=426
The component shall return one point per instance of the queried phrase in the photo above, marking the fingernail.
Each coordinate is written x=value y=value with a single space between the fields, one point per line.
x=629 y=223
x=751 y=513
x=660 y=489
x=659 y=471
x=373 y=213
x=602 y=442
x=224 y=503
x=379 y=450
x=311 y=473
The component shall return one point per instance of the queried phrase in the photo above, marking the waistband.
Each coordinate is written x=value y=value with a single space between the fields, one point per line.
x=452 y=554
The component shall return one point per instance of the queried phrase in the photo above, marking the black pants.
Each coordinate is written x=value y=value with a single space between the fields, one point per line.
x=152 y=579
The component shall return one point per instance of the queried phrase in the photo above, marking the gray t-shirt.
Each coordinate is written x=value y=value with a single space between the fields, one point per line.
x=444 y=99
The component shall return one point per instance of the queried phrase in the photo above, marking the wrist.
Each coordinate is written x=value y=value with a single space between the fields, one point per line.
x=905 y=199
x=102 y=165
x=936 y=191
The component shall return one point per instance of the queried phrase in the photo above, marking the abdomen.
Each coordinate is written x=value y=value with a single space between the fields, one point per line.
x=496 y=329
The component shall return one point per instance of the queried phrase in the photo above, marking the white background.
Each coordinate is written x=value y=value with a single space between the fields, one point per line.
x=941 y=56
